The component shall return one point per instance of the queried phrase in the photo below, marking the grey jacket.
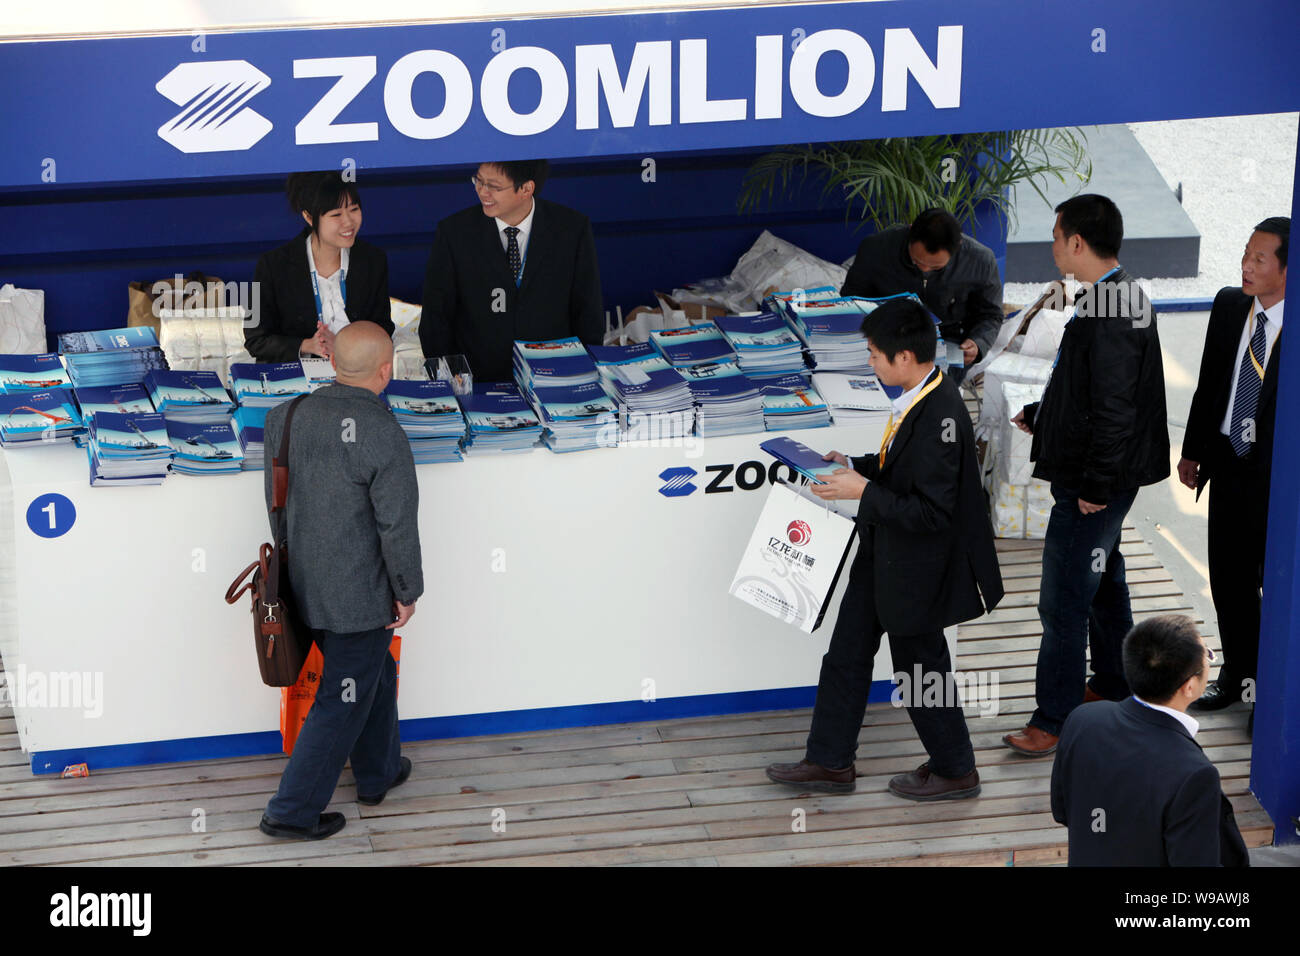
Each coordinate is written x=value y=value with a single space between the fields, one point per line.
x=965 y=296
x=353 y=535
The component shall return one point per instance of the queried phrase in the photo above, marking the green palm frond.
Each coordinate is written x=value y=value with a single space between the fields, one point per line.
x=887 y=181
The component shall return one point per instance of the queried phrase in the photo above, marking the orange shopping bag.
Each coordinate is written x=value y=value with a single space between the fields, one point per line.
x=296 y=701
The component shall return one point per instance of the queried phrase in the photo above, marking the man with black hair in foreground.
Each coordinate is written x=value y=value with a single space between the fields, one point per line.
x=1130 y=781
x=513 y=266
x=955 y=276
x=925 y=557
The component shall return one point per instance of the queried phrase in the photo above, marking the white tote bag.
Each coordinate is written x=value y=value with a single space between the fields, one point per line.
x=794 y=557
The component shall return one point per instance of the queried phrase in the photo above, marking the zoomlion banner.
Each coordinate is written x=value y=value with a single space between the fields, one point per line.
x=793 y=559
x=196 y=105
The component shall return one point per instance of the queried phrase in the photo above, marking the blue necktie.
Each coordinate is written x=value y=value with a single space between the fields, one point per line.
x=512 y=251
x=1246 y=400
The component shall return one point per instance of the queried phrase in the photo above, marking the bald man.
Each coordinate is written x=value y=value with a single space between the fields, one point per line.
x=354 y=566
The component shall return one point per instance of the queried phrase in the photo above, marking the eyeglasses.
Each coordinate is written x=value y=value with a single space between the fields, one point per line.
x=479 y=184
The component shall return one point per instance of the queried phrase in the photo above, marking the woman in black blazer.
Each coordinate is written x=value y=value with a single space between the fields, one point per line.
x=319 y=281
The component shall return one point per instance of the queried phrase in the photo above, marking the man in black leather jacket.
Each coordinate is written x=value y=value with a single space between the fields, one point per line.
x=1099 y=434
x=954 y=276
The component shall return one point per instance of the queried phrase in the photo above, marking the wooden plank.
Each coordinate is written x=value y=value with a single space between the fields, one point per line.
x=337 y=850
x=233 y=830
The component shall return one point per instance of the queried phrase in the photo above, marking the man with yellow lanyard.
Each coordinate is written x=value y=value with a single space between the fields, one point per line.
x=925 y=561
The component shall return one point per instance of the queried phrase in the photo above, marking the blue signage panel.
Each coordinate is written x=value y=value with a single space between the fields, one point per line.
x=151 y=108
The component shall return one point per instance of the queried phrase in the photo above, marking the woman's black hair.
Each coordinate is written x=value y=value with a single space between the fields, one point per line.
x=317 y=193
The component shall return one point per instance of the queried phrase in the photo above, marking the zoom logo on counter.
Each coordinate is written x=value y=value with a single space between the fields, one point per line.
x=214 y=118
x=747 y=476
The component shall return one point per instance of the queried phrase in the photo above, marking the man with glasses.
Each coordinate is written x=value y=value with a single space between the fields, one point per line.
x=514 y=266
x=1130 y=781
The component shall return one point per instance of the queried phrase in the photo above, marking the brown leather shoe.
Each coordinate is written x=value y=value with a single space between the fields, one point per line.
x=921 y=784
x=1090 y=695
x=810 y=776
x=1032 y=742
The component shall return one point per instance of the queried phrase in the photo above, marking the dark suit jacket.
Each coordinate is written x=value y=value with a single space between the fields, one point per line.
x=1203 y=442
x=1160 y=794
x=923 y=523
x=558 y=297
x=287 y=305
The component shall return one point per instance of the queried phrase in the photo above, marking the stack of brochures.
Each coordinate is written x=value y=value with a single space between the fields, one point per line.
x=250 y=424
x=764 y=343
x=112 y=356
x=727 y=402
x=692 y=345
x=658 y=408
x=832 y=330
x=204 y=448
x=629 y=364
x=128 y=448
x=195 y=397
x=32 y=373
x=430 y=417
x=577 y=417
x=28 y=418
x=853 y=399
x=265 y=385
x=801 y=458
x=110 y=398
x=790 y=402
x=554 y=363
x=499 y=419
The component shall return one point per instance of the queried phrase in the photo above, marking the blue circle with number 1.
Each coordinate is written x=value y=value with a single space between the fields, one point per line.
x=51 y=515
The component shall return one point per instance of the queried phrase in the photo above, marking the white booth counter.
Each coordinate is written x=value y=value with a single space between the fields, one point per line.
x=560 y=590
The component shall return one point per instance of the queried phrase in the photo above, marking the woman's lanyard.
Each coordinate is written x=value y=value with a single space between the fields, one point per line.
x=315 y=284
x=892 y=428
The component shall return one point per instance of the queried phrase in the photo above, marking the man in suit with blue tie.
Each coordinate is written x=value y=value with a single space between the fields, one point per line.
x=1229 y=443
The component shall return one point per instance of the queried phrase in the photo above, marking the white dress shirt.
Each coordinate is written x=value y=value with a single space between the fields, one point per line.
x=525 y=228
x=1187 y=721
x=900 y=404
x=334 y=313
x=1272 y=329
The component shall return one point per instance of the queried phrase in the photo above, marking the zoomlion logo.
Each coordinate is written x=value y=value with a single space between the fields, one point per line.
x=677 y=482
x=212 y=95
x=798 y=532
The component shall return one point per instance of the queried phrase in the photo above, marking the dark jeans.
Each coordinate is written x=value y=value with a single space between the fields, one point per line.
x=846 y=681
x=1237 y=526
x=355 y=714
x=1083 y=600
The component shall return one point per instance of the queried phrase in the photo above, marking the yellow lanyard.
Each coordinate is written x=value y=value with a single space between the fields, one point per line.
x=1259 y=369
x=892 y=428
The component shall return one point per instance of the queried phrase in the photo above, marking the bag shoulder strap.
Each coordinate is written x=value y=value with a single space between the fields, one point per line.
x=280 y=463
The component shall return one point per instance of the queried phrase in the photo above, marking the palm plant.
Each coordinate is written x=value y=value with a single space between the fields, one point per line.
x=889 y=181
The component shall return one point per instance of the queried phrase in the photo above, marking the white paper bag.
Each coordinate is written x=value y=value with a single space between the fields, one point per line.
x=793 y=559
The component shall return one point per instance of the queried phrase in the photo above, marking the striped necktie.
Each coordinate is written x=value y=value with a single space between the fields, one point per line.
x=1249 y=379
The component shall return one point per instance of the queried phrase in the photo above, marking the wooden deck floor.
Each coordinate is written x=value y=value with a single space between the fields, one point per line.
x=680 y=792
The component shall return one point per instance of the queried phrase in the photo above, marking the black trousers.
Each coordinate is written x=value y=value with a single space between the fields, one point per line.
x=845 y=683
x=1237 y=526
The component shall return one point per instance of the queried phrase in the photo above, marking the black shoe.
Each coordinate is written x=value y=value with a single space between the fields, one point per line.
x=810 y=776
x=327 y=825
x=402 y=774
x=1216 y=697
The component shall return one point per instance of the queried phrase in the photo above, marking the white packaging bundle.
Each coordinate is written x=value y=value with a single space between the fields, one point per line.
x=1008 y=510
x=1013 y=463
x=1008 y=367
x=22 y=321
x=1043 y=337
